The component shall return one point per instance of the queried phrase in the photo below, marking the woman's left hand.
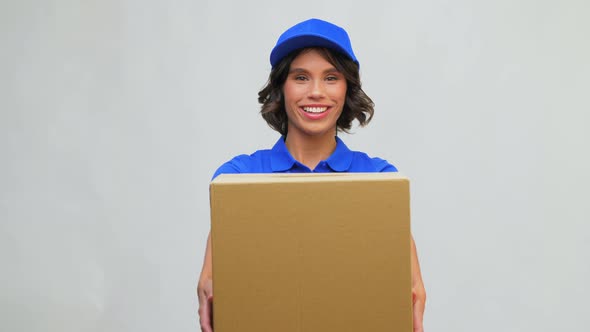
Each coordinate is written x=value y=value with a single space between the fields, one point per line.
x=418 y=291
x=419 y=302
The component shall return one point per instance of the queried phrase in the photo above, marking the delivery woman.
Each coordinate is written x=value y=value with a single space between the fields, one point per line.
x=313 y=91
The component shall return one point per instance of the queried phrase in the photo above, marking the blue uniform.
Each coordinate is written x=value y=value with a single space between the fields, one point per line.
x=279 y=160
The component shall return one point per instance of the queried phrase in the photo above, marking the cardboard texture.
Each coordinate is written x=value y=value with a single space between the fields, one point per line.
x=313 y=252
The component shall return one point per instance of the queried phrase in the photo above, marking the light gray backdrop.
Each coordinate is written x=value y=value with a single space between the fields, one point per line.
x=114 y=115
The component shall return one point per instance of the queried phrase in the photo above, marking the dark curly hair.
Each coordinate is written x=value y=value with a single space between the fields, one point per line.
x=356 y=106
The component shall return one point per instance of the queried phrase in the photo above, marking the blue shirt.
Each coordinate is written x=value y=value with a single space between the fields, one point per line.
x=279 y=160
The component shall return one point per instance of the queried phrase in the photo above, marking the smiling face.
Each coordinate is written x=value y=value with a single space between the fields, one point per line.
x=314 y=94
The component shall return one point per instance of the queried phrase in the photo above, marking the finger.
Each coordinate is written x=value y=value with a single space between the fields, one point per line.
x=205 y=315
x=205 y=321
x=418 y=316
x=206 y=306
x=210 y=306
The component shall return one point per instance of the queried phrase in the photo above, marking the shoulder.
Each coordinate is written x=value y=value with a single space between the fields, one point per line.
x=257 y=162
x=362 y=162
x=345 y=159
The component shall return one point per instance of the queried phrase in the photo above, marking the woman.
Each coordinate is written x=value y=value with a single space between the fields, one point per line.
x=313 y=91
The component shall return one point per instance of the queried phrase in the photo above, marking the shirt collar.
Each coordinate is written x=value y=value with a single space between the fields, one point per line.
x=341 y=158
x=281 y=159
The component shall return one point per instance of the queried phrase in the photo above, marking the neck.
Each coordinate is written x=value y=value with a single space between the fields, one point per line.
x=310 y=150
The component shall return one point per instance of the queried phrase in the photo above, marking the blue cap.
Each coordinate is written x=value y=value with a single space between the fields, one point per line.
x=312 y=33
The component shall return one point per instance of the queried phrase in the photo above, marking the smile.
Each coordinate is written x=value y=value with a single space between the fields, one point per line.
x=315 y=109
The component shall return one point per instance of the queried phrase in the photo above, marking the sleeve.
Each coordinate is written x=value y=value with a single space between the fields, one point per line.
x=234 y=166
x=383 y=166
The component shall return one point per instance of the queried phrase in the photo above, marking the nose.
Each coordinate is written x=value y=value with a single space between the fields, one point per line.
x=317 y=90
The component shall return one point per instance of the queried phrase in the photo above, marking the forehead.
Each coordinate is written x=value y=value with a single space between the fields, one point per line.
x=314 y=57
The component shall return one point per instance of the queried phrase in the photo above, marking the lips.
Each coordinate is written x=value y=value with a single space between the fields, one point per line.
x=315 y=112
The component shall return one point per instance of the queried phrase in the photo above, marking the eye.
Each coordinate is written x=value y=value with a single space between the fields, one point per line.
x=300 y=78
x=332 y=78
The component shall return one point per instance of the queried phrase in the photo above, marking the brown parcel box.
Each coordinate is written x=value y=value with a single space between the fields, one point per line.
x=314 y=252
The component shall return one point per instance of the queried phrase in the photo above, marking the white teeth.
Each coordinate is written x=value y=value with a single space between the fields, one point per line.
x=315 y=109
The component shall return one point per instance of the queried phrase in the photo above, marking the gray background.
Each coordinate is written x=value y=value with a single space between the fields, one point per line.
x=115 y=114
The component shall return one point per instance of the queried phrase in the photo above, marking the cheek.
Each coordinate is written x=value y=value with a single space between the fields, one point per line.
x=338 y=90
x=287 y=93
x=339 y=93
x=287 y=100
x=292 y=94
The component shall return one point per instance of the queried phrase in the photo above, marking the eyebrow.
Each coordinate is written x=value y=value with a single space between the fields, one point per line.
x=301 y=70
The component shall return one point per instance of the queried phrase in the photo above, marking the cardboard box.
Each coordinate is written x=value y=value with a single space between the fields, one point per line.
x=312 y=252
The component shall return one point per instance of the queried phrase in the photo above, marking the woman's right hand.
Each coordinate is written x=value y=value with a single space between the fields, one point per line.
x=205 y=294
x=205 y=291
